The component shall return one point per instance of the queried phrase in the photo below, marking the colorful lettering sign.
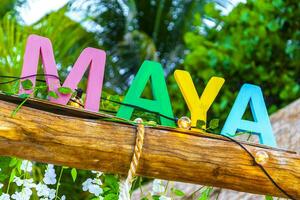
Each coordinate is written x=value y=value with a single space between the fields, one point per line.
x=161 y=103
x=250 y=95
x=38 y=46
x=198 y=106
x=94 y=60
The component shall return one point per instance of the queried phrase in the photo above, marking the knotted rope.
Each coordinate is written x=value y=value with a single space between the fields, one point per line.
x=125 y=184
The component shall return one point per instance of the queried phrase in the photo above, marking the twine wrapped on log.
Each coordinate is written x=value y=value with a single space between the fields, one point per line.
x=125 y=183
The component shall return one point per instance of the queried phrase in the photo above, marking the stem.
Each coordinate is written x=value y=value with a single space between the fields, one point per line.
x=7 y=190
x=19 y=107
x=8 y=186
x=140 y=186
x=249 y=137
x=218 y=194
x=193 y=194
x=166 y=188
x=58 y=182
x=24 y=101
x=25 y=174
x=9 y=181
x=157 y=19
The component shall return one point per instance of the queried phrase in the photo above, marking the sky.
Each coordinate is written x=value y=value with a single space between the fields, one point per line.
x=36 y=9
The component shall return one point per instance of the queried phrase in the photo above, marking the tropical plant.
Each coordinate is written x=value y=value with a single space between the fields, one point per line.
x=13 y=37
x=257 y=42
x=134 y=30
x=252 y=44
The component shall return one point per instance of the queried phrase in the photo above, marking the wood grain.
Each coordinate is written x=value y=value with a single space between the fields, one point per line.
x=53 y=136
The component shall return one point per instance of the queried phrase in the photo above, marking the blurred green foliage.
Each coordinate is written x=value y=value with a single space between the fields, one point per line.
x=13 y=36
x=257 y=42
x=138 y=30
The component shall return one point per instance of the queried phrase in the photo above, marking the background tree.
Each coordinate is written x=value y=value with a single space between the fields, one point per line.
x=257 y=42
x=13 y=36
x=135 y=30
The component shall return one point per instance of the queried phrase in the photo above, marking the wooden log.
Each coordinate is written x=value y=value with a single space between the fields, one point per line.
x=52 y=135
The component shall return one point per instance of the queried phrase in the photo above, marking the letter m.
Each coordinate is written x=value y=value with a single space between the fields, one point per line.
x=38 y=46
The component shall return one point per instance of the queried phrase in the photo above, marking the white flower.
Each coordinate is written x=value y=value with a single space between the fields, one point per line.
x=95 y=189
x=92 y=186
x=1 y=185
x=50 y=175
x=4 y=196
x=45 y=192
x=98 y=174
x=97 y=181
x=25 y=194
x=86 y=184
x=18 y=181
x=63 y=197
x=26 y=166
x=52 y=194
x=42 y=190
x=28 y=183
x=158 y=186
x=164 y=198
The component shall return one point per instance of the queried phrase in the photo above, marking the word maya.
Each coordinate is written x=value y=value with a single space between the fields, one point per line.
x=94 y=60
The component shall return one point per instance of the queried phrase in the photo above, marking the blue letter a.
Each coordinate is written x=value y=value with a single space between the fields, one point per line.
x=261 y=125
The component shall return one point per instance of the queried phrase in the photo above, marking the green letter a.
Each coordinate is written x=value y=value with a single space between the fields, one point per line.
x=161 y=103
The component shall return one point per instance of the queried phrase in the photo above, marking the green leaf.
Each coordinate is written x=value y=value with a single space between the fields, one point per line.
x=273 y=26
x=205 y=194
x=74 y=174
x=241 y=133
x=27 y=84
x=267 y=197
x=12 y=175
x=112 y=182
x=8 y=93
x=3 y=177
x=277 y=3
x=200 y=123
x=13 y=162
x=211 y=11
x=214 y=123
x=18 y=166
x=15 y=87
x=24 y=96
x=111 y=196
x=177 y=192
x=155 y=197
x=106 y=189
x=245 y=16
x=53 y=94
x=65 y=90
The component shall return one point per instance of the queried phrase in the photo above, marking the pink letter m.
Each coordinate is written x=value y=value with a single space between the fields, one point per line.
x=95 y=58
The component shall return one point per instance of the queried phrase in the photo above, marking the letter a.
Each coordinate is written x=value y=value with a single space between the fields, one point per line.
x=95 y=58
x=161 y=103
x=261 y=125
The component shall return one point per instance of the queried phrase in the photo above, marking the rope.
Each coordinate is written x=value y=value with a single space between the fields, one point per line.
x=125 y=183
